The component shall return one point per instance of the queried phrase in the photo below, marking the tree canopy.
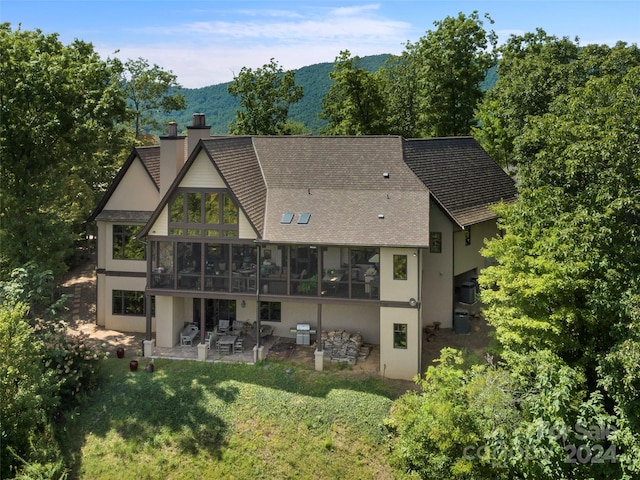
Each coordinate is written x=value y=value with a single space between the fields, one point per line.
x=354 y=104
x=432 y=89
x=149 y=90
x=265 y=96
x=59 y=143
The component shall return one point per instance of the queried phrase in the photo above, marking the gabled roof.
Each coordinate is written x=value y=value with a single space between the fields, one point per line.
x=462 y=177
x=150 y=158
x=341 y=183
x=237 y=163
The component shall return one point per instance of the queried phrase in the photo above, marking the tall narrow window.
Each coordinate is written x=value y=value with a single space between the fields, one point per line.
x=194 y=208
x=399 y=335
x=467 y=236
x=177 y=209
x=435 y=242
x=399 y=267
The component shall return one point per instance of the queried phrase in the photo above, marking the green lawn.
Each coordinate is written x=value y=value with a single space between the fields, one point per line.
x=202 y=420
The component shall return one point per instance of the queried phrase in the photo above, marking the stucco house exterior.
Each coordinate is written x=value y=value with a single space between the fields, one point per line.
x=370 y=234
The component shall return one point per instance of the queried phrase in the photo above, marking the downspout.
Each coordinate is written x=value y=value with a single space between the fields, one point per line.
x=147 y=297
x=259 y=255
x=419 y=274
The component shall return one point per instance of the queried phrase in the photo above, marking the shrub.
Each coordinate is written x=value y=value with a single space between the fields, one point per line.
x=73 y=359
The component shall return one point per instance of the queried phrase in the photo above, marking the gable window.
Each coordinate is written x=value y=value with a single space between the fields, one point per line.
x=467 y=236
x=125 y=244
x=399 y=267
x=399 y=335
x=129 y=302
x=203 y=213
x=270 y=312
x=435 y=242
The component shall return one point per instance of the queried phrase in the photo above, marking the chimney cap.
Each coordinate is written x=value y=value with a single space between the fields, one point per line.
x=199 y=121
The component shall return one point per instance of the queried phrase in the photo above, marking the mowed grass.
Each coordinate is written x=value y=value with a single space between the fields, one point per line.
x=201 y=420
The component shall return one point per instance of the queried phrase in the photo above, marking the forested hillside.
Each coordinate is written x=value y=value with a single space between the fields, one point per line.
x=220 y=107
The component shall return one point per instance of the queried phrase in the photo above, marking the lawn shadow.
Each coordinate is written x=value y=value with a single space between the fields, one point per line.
x=150 y=411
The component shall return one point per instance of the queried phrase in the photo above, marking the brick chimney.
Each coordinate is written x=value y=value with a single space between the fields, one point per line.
x=198 y=130
x=171 y=157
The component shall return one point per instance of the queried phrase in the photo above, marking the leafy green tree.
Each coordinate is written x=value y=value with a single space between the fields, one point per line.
x=59 y=143
x=570 y=251
x=451 y=62
x=400 y=82
x=354 y=103
x=567 y=267
x=531 y=74
x=265 y=97
x=26 y=393
x=488 y=421
x=150 y=90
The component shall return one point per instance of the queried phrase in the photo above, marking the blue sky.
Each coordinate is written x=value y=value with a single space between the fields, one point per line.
x=206 y=42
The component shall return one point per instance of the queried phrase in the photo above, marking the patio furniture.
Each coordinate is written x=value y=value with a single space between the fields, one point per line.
x=208 y=340
x=223 y=326
x=225 y=344
x=238 y=327
x=238 y=345
x=188 y=333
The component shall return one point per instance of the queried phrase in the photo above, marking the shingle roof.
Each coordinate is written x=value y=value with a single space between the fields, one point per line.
x=462 y=177
x=124 y=216
x=338 y=180
x=150 y=158
x=236 y=161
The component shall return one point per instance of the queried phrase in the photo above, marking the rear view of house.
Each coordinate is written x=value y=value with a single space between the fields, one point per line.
x=369 y=234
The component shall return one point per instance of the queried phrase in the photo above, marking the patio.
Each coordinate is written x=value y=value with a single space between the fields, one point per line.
x=190 y=352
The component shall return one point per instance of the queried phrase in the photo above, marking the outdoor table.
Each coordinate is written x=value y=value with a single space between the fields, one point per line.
x=225 y=343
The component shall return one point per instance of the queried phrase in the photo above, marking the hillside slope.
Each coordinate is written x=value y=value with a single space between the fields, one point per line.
x=220 y=107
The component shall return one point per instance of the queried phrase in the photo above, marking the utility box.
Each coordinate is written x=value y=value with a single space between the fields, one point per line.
x=468 y=293
x=461 y=323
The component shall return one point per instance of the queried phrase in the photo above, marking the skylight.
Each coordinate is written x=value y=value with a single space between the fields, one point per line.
x=303 y=219
x=287 y=218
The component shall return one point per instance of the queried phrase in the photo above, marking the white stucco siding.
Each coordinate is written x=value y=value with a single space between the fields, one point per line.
x=135 y=189
x=120 y=265
x=398 y=290
x=101 y=249
x=161 y=225
x=468 y=257
x=171 y=315
x=123 y=323
x=437 y=284
x=396 y=362
x=354 y=319
x=245 y=230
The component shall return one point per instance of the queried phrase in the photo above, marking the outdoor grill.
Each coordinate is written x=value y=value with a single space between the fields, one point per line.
x=303 y=333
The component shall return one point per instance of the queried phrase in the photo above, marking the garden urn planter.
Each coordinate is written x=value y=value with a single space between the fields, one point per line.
x=120 y=352
x=133 y=365
x=149 y=367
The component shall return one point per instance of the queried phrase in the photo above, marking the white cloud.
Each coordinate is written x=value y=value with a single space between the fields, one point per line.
x=207 y=52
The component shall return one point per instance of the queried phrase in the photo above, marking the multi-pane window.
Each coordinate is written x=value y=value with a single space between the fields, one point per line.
x=129 y=302
x=399 y=335
x=125 y=244
x=270 y=312
x=399 y=267
x=435 y=242
x=200 y=213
